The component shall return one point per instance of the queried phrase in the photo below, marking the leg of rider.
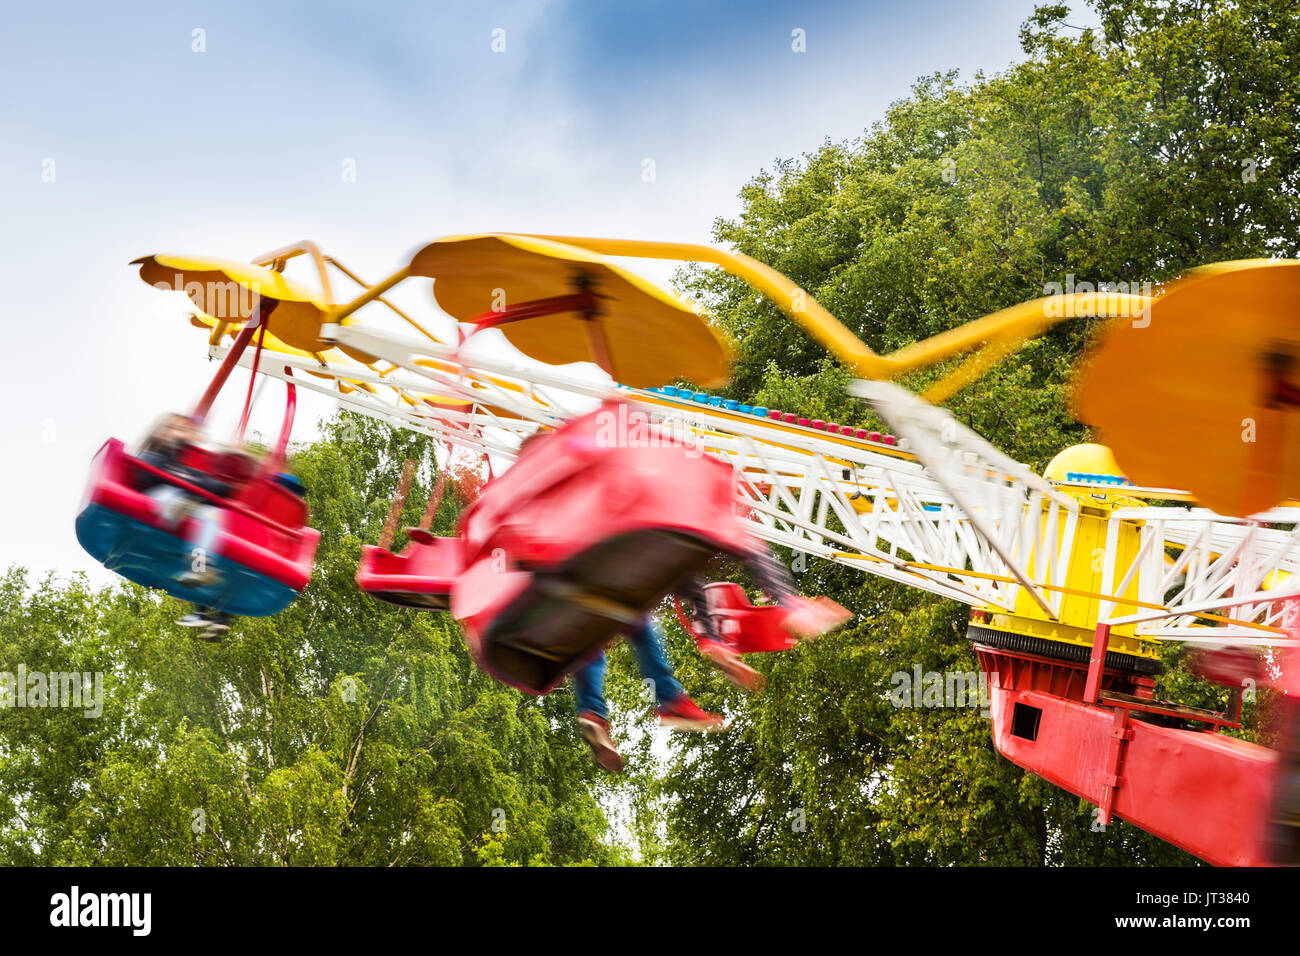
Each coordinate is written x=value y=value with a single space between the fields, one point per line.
x=695 y=596
x=593 y=724
x=674 y=707
x=589 y=687
x=170 y=501
x=209 y=521
x=648 y=646
x=770 y=575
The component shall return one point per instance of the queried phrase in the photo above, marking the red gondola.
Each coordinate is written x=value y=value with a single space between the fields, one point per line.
x=423 y=574
x=744 y=627
x=264 y=551
x=579 y=539
x=421 y=577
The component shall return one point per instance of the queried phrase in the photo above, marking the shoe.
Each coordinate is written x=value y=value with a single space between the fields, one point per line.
x=684 y=714
x=195 y=619
x=198 y=579
x=595 y=732
x=213 y=633
x=810 y=618
x=732 y=667
x=218 y=624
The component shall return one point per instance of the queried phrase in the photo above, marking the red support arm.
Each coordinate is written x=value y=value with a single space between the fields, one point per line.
x=1096 y=664
x=252 y=381
x=261 y=312
x=582 y=302
x=290 y=409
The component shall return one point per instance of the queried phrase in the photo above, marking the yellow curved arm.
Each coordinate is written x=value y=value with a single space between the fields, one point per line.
x=1006 y=330
x=276 y=259
x=1002 y=332
x=1025 y=319
x=999 y=333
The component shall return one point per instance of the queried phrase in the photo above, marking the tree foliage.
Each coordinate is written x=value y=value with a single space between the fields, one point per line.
x=1123 y=155
x=341 y=731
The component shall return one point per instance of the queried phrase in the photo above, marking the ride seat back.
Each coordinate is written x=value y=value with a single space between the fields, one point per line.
x=747 y=628
x=269 y=498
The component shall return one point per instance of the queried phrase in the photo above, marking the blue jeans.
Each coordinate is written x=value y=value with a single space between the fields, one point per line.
x=648 y=646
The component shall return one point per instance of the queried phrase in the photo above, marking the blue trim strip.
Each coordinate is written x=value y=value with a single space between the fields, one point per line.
x=155 y=558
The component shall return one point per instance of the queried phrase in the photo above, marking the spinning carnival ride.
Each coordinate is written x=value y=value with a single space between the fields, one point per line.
x=1075 y=578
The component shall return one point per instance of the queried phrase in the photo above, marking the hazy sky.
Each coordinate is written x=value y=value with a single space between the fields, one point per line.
x=240 y=148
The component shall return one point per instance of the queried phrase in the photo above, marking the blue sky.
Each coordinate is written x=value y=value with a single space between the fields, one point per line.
x=239 y=149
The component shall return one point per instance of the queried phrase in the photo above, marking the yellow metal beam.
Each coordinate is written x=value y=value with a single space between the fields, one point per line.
x=1000 y=333
x=1007 y=579
x=1004 y=330
x=341 y=312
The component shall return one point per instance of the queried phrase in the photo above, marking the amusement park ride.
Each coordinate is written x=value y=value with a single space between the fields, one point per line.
x=1075 y=578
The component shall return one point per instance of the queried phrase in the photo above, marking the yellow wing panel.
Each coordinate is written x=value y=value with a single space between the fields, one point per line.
x=653 y=337
x=228 y=291
x=1189 y=400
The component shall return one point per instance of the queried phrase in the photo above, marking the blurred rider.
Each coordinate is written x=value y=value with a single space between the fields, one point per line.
x=162 y=450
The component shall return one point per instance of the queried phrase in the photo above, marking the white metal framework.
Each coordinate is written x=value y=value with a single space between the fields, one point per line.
x=946 y=511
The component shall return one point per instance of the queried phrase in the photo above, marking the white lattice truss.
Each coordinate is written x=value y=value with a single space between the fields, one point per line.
x=945 y=512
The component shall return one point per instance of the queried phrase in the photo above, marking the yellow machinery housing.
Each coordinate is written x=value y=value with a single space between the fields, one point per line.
x=1070 y=637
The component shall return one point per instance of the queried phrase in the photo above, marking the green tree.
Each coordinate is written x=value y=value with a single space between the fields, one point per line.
x=1164 y=140
x=341 y=731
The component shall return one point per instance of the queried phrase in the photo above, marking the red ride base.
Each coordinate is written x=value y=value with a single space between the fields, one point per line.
x=1200 y=790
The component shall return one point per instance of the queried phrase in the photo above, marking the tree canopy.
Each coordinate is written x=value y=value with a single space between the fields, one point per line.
x=340 y=731
x=1164 y=140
